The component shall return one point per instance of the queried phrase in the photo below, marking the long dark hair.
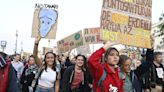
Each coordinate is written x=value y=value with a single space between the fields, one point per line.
x=85 y=61
x=31 y=56
x=4 y=55
x=54 y=64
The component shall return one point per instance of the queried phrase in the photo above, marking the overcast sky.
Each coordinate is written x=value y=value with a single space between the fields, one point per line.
x=74 y=15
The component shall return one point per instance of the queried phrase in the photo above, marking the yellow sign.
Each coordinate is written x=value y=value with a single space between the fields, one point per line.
x=127 y=21
x=120 y=19
x=134 y=40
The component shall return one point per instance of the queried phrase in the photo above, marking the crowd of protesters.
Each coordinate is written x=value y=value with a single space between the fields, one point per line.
x=105 y=70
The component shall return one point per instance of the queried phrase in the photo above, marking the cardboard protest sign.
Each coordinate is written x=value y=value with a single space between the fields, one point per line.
x=47 y=49
x=45 y=21
x=26 y=55
x=91 y=35
x=127 y=21
x=55 y=50
x=73 y=41
x=84 y=50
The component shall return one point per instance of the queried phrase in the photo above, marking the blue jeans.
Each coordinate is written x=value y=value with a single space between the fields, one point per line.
x=39 y=89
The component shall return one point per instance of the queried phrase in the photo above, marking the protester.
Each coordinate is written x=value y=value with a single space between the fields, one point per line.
x=75 y=78
x=132 y=78
x=62 y=60
x=143 y=59
x=8 y=80
x=105 y=76
x=28 y=74
x=18 y=65
x=47 y=79
x=155 y=75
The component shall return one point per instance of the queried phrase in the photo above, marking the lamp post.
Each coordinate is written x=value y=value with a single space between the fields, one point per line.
x=16 y=41
x=3 y=45
x=49 y=42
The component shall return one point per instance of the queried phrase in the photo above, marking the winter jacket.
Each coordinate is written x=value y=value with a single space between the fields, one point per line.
x=68 y=78
x=9 y=81
x=136 y=76
x=112 y=79
x=26 y=80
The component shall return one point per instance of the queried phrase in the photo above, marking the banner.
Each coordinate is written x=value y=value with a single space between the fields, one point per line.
x=127 y=21
x=84 y=50
x=47 y=49
x=91 y=35
x=73 y=41
x=45 y=21
x=26 y=55
x=55 y=50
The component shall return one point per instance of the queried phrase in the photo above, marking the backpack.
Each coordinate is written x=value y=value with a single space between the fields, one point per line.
x=102 y=78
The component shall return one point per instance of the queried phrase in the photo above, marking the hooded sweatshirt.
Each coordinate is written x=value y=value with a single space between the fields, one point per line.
x=112 y=80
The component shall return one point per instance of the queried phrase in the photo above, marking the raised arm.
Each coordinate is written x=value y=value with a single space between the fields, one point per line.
x=144 y=67
x=35 y=52
x=94 y=59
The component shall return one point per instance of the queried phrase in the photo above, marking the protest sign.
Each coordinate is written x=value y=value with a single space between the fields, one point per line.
x=45 y=21
x=73 y=41
x=127 y=21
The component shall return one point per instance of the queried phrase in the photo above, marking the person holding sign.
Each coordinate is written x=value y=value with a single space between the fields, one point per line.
x=131 y=78
x=47 y=79
x=105 y=76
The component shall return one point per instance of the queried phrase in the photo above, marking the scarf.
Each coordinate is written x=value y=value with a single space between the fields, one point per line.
x=32 y=69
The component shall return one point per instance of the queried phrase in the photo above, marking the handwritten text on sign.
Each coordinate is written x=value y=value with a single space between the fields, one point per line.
x=91 y=35
x=134 y=40
x=127 y=17
x=73 y=41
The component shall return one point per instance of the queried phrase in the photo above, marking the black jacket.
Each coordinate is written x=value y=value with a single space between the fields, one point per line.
x=26 y=80
x=68 y=78
x=12 y=80
x=137 y=75
x=152 y=79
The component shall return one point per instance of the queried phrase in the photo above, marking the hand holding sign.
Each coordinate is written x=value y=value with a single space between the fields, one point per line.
x=109 y=44
x=37 y=39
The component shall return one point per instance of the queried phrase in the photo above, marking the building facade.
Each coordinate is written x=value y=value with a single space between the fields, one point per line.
x=158 y=37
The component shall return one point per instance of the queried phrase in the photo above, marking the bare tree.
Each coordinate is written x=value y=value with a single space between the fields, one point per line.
x=161 y=26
